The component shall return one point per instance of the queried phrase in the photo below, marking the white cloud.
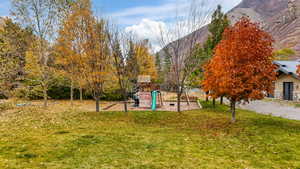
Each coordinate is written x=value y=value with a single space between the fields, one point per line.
x=137 y=14
x=148 y=29
x=148 y=22
x=166 y=10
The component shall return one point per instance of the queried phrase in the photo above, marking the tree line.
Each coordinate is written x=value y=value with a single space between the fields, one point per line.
x=236 y=60
x=58 y=39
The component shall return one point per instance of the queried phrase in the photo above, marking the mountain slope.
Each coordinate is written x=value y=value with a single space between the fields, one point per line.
x=281 y=18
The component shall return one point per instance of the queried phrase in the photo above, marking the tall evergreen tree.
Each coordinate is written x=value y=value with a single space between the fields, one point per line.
x=167 y=64
x=140 y=60
x=132 y=65
x=219 y=23
x=158 y=68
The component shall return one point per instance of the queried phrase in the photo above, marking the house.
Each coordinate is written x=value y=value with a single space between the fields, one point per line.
x=287 y=86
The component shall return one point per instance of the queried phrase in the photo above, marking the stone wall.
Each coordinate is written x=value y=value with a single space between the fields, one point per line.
x=279 y=86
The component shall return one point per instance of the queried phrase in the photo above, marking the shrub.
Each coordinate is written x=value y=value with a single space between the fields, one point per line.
x=5 y=106
x=112 y=96
x=32 y=93
x=61 y=92
x=2 y=96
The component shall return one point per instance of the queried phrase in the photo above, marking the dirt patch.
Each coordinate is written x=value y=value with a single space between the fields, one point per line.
x=167 y=106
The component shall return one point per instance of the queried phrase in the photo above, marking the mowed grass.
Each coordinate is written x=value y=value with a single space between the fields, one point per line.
x=38 y=138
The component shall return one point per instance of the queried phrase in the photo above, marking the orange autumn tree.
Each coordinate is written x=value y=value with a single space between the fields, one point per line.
x=242 y=68
x=298 y=70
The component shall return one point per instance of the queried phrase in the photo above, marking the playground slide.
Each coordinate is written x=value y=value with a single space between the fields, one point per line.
x=154 y=100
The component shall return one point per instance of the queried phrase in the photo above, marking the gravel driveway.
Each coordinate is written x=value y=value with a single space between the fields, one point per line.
x=273 y=108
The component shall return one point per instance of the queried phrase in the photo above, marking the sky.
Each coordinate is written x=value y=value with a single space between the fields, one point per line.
x=144 y=18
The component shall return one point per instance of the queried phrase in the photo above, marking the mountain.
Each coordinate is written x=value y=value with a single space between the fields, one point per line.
x=281 y=18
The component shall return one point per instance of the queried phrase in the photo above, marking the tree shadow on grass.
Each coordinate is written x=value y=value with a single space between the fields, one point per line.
x=254 y=119
x=275 y=124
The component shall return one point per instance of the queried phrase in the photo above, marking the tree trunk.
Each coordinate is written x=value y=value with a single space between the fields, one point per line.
x=207 y=96
x=233 y=111
x=178 y=102
x=81 y=94
x=72 y=92
x=221 y=100
x=45 y=96
x=125 y=107
x=214 y=102
x=187 y=98
x=97 y=104
x=125 y=101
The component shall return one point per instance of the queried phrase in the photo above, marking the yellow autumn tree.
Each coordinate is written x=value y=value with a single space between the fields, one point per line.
x=36 y=70
x=43 y=18
x=141 y=60
x=145 y=60
x=96 y=61
x=70 y=44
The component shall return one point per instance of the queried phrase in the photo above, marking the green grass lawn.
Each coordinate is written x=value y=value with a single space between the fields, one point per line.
x=37 y=138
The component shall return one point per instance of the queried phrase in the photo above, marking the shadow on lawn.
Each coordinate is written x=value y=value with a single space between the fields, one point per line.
x=275 y=123
x=252 y=119
x=209 y=119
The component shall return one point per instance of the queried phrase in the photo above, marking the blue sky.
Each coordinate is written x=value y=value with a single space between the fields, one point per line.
x=129 y=12
x=4 y=7
x=142 y=17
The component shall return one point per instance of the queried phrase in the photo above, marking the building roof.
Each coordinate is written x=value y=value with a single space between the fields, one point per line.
x=288 y=67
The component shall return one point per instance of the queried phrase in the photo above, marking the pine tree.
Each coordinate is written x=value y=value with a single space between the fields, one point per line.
x=159 y=68
x=216 y=28
x=167 y=64
x=140 y=61
x=132 y=66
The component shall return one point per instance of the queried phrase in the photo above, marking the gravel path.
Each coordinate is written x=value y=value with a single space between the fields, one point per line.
x=274 y=109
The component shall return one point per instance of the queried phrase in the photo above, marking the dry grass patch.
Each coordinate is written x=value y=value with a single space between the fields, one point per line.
x=62 y=137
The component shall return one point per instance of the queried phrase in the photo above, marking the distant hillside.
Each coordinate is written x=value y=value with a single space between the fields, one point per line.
x=281 y=18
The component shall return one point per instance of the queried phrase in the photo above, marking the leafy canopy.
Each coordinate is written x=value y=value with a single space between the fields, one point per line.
x=242 y=67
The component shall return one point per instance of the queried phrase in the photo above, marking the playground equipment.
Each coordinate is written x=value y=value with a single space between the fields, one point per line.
x=156 y=100
x=149 y=96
